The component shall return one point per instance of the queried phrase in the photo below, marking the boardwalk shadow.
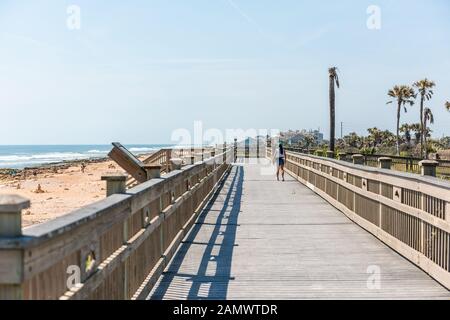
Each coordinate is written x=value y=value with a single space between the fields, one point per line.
x=214 y=235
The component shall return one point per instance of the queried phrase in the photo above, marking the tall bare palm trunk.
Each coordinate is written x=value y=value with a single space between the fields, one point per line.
x=422 y=129
x=332 y=114
x=398 y=127
x=424 y=137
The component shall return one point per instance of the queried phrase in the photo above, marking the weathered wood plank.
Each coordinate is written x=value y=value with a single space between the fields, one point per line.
x=128 y=162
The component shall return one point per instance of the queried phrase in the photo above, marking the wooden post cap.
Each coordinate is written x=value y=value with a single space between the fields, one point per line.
x=358 y=159
x=428 y=167
x=153 y=171
x=341 y=155
x=152 y=166
x=384 y=162
x=114 y=177
x=428 y=163
x=176 y=161
x=13 y=203
x=11 y=207
x=115 y=183
x=330 y=154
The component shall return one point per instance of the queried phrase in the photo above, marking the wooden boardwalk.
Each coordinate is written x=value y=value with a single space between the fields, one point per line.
x=263 y=239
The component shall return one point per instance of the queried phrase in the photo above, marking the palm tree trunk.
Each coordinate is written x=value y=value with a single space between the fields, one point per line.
x=398 y=128
x=425 y=138
x=422 y=130
x=332 y=114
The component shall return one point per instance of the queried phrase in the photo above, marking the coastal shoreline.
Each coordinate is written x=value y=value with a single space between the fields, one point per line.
x=59 y=188
x=6 y=173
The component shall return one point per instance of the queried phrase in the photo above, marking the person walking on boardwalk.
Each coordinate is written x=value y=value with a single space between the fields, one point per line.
x=279 y=159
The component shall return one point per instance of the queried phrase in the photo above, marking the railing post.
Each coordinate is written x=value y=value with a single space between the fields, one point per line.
x=385 y=163
x=235 y=149
x=257 y=147
x=428 y=167
x=358 y=159
x=153 y=171
x=168 y=157
x=224 y=152
x=342 y=155
x=175 y=164
x=247 y=148
x=11 y=261
x=115 y=183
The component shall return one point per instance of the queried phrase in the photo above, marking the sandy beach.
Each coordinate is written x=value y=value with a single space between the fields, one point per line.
x=63 y=188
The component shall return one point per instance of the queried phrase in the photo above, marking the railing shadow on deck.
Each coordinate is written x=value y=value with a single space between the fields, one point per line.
x=228 y=217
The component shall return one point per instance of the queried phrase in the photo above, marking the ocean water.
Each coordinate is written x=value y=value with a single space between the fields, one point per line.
x=21 y=156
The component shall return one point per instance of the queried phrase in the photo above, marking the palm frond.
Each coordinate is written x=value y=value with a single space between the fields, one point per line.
x=333 y=73
x=403 y=94
x=428 y=115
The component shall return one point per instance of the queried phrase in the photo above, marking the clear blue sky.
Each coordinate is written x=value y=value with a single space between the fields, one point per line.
x=137 y=70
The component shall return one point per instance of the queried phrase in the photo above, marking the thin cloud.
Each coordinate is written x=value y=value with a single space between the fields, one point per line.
x=316 y=35
x=249 y=19
x=193 y=61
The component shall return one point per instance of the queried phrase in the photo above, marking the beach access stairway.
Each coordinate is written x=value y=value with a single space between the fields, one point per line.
x=163 y=156
x=225 y=228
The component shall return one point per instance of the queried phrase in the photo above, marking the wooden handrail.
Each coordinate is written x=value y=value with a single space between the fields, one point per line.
x=406 y=164
x=408 y=212
x=111 y=249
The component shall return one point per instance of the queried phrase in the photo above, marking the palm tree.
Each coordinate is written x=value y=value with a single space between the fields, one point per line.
x=424 y=87
x=402 y=95
x=415 y=127
x=309 y=140
x=406 y=130
x=427 y=116
x=334 y=79
x=352 y=140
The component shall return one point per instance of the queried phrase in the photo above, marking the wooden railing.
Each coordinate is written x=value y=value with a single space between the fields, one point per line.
x=256 y=150
x=408 y=212
x=404 y=164
x=113 y=249
x=162 y=157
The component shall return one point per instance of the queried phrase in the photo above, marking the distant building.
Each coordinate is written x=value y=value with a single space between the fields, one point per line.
x=318 y=135
x=296 y=137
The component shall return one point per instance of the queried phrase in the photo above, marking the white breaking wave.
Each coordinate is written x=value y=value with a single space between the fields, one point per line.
x=21 y=160
x=16 y=161
x=142 y=149
x=98 y=151
x=43 y=156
